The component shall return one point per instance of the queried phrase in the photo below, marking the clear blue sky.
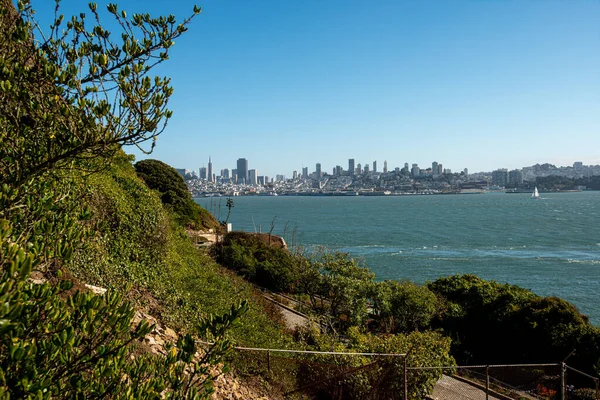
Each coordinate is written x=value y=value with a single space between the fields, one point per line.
x=482 y=84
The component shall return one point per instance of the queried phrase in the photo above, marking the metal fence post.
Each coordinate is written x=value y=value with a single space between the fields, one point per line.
x=269 y=361
x=562 y=381
x=487 y=382
x=405 y=380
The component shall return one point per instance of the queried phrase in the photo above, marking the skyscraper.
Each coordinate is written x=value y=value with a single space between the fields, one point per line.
x=209 y=172
x=351 y=166
x=319 y=173
x=242 y=170
x=385 y=169
x=305 y=172
x=374 y=166
x=253 y=177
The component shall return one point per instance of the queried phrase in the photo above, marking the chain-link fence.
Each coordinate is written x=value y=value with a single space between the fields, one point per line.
x=332 y=375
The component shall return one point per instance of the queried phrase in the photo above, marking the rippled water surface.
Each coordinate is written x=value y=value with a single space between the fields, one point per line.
x=550 y=245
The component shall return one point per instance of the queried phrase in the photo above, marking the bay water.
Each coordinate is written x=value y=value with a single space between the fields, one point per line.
x=550 y=245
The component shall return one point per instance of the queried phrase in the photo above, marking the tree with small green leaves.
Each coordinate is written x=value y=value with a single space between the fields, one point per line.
x=76 y=91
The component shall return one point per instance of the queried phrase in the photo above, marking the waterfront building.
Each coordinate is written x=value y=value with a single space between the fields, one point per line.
x=351 y=166
x=374 y=166
x=515 y=177
x=318 y=171
x=242 y=170
x=385 y=168
x=210 y=171
x=500 y=177
x=252 y=177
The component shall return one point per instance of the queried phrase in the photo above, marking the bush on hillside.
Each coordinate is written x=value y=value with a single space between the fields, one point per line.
x=268 y=266
x=500 y=323
x=360 y=377
x=403 y=306
x=174 y=193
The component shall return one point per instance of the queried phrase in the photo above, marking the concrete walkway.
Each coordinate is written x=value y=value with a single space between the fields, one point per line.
x=448 y=388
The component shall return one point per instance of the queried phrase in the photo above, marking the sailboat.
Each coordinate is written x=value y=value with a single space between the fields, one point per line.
x=535 y=194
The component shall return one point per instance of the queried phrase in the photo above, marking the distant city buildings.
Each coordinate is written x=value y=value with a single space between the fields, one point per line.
x=366 y=179
x=253 y=177
x=500 y=177
x=210 y=171
x=242 y=170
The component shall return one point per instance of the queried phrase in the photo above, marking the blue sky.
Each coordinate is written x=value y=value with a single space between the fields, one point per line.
x=482 y=84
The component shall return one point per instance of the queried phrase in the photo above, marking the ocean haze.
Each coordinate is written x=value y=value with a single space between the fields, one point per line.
x=551 y=246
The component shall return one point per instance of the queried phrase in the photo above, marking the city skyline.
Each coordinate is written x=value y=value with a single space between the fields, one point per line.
x=338 y=168
x=483 y=84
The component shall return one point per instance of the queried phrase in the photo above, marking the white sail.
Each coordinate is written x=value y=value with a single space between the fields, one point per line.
x=535 y=194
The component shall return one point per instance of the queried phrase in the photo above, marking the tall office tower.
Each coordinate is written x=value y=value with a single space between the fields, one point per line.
x=434 y=168
x=252 y=177
x=280 y=178
x=358 y=169
x=295 y=175
x=209 y=172
x=202 y=173
x=385 y=170
x=374 y=166
x=415 y=170
x=366 y=169
x=234 y=175
x=261 y=180
x=406 y=165
x=440 y=169
x=466 y=172
x=305 y=172
x=242 y=170
x=225 y=173
x=351 y=166
x=338 y=170
x=319 y=173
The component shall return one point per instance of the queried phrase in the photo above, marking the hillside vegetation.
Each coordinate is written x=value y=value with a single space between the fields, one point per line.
x=74 y=210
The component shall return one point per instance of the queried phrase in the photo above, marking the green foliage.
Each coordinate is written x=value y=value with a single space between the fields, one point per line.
x=80 y=90
x=59 y=344
x=359 y=377
x=480 y=315
x=174 y=193
x=338 y=288
x=403 y=306
x=267 y=266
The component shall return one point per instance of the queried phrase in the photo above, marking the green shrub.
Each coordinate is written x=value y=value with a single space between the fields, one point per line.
x=265 y=265
x=59 y=344
x=403 y=306
x=174 y=193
